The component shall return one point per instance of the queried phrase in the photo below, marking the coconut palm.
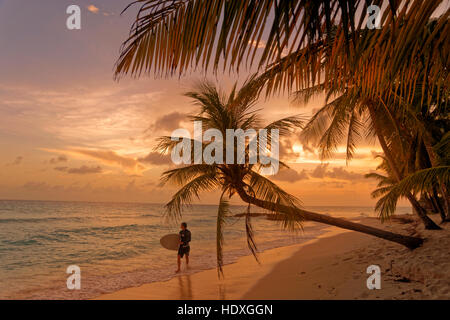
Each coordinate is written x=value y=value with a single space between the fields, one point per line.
x=320 y=45
x=308 y=41
x=236 y=111
x=406 y=123
x=422 y=181
x=389 y=190
x=349 y=117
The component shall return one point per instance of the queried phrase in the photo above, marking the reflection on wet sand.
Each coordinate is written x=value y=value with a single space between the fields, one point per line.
x=222 y=291
x=185 y=288
x=185 y=285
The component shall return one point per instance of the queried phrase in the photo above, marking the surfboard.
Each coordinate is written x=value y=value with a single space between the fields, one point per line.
x=170 y=241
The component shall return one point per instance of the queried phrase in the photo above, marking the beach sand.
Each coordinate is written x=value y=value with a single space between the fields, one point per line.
x=330 y=267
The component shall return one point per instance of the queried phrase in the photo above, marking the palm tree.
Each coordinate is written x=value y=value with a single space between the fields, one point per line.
x=423 y=181
x=399 y=119
x=220 y=112
x=320 y=45
x=308 y=41
x=349 y=117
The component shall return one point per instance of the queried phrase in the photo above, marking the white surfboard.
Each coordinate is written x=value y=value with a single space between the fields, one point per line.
x=170 y=241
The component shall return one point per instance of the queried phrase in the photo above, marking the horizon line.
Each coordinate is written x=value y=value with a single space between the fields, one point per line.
x=155 y=203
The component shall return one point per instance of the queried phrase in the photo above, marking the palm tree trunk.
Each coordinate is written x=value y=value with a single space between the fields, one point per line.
x=437 y=202
x=410 y=242
x=431 y=202
x=445 y=200
x=434 y=162
x=429 y=224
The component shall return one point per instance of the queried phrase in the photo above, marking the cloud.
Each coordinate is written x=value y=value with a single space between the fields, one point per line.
x=290 y=175
x=125 y=191
x=93 y=8
x=33 y=185
x=58 y=159
x=321 y=171
x=287 y=152
x=112 y=158
x=81 y=170
x=155 y=158
x=376 y=153
x=293 y=149
x=333 y=184
x=149 y=184
x=341 y=173
x=130 y=165
x=259 y=45
x=18 y=160
x=168 y=122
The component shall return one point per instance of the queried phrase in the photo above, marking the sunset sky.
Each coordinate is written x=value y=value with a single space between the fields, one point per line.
x=69 y=131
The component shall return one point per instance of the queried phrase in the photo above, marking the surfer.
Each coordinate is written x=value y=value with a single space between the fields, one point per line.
x=184 y=248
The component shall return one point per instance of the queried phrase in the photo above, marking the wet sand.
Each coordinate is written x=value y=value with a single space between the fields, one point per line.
x=334 y=266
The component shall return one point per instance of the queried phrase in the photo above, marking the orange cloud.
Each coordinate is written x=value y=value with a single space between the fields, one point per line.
x=81 y=170
x=290 y=175
x=93 y=8
x=16 y=161
x=107 y=157
x=112 y=158
x=58 y=159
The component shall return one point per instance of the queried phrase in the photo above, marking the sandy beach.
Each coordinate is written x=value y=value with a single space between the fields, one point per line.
x=332 y=266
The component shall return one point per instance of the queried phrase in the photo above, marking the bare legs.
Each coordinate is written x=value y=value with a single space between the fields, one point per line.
x=179 y=263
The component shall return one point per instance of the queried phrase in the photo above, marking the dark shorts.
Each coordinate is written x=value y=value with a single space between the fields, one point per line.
x=183 y=251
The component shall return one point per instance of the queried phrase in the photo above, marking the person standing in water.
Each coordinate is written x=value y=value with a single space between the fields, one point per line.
x=184 y=248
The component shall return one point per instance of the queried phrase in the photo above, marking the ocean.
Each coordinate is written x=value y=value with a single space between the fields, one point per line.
x=116 y=245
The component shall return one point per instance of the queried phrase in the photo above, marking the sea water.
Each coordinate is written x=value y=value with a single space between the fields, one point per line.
x=116 y=245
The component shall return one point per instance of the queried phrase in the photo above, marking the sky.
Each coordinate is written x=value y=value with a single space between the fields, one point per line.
x=69 y=131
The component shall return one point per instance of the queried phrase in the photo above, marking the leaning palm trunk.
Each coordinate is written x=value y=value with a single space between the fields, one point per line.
x=429 y=224
x=235 y=112
x=410 y=242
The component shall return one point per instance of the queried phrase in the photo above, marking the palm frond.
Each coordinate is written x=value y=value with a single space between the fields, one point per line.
x=250 y=234
x=286 y=125
x=264 y=189
x=423 y=180
x=186 y=194
x=179 y=176
x=420 y=181
x=170 y=36
x=288 y=38
x=382 y=180
x=166 y=144
x=354 y=130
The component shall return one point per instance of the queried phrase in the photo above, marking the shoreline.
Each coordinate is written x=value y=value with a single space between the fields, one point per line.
x=239 y=277
x=331 y=266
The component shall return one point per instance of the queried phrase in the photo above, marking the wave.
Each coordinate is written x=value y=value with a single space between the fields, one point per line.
x=37 y=220
x=108 y=229
x=72 y=219
x=97 y=284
